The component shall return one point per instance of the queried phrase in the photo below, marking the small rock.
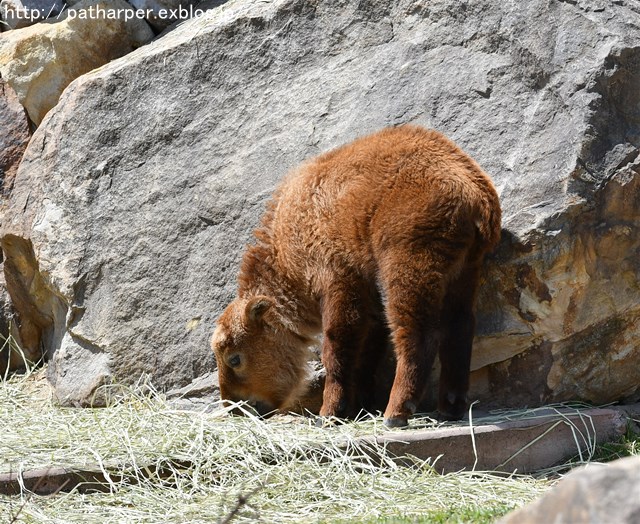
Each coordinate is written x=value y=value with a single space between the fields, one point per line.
x=602 y=493
x=201 y=395
x=202 y=386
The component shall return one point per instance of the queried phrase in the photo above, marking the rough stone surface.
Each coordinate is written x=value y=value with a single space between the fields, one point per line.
x=139 y=191
x=22 y=13
x=598 y=493
x=14 y=135
x=41 y=60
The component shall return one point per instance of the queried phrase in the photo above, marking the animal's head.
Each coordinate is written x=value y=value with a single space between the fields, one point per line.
x=259 y=359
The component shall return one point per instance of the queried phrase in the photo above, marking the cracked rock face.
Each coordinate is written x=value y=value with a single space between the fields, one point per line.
x=14 y=135
x=141 y=187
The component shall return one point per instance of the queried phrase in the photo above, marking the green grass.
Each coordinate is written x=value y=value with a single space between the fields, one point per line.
x=627 y=446
x=219 y=468
x=477 y=515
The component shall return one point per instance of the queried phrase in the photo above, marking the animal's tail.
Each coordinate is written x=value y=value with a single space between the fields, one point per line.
x=489 y=222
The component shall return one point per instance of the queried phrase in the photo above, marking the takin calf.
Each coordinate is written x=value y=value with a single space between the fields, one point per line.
x=383 y=237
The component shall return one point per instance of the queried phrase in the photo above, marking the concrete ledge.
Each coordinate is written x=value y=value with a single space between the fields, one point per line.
x=52 y=480
x=47 y=481
x=545 y=438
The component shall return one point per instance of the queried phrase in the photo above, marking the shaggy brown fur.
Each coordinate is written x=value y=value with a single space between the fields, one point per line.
x=381 y=237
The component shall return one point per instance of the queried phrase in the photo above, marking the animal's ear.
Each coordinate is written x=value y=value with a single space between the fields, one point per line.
x=219 y=338
x=256 y=308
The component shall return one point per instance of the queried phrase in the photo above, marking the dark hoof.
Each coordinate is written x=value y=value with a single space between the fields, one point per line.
x=449 y=417
x=321 y=422
x=452 y=407
x=328 y=422
x=396 y=422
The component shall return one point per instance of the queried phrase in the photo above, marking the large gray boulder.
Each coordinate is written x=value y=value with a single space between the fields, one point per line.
x=141 y=187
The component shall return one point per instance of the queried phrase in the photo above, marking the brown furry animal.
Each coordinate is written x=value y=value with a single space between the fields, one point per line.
x=383 y=236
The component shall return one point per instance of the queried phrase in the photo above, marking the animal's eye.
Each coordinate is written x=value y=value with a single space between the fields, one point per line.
x=234 y=361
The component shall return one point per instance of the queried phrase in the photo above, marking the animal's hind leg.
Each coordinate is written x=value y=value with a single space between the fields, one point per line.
x=414 y=284
x=455 y=352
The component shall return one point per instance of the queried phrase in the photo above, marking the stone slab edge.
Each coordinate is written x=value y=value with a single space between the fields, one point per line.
x=526 y=445
x=92 y=479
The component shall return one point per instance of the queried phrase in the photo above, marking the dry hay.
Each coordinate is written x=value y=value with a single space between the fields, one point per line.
x=166 y=465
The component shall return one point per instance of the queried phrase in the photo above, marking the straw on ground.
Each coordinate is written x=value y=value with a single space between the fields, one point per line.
x=223 y=468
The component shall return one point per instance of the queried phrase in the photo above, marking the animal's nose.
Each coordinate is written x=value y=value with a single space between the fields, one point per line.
x=260 y=407
x=234 y=410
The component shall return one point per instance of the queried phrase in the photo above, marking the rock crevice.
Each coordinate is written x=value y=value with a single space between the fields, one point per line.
x=41 y=312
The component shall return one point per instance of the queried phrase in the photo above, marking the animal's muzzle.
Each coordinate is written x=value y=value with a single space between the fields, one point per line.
x=264 y=409
x=259 y=408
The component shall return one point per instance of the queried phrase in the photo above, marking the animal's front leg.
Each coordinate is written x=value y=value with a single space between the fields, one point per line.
x=343 y=336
